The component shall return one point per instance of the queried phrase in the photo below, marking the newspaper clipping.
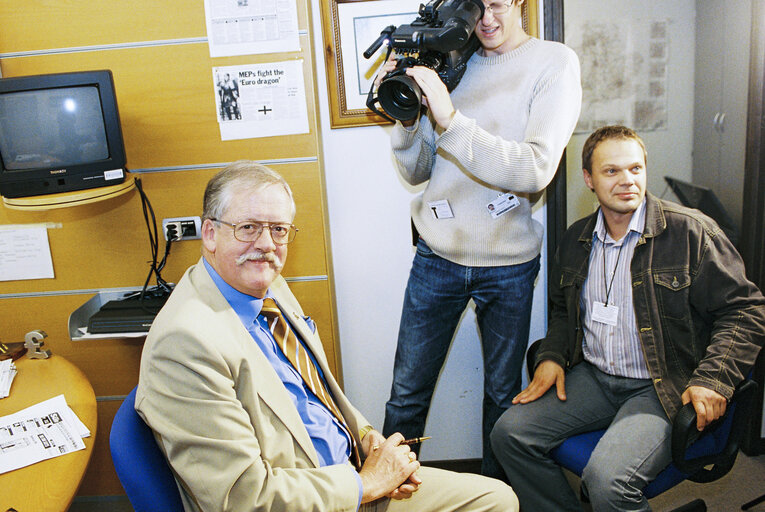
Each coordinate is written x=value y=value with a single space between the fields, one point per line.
x=260 y=100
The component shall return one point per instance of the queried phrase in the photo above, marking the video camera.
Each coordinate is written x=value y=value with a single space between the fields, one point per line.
x=441 y=38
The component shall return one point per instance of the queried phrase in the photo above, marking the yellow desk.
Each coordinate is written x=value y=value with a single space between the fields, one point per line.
x=49 y=485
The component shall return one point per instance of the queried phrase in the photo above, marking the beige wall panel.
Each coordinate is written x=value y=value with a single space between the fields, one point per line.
x=107 y=22
x=111 y=365
x=100 y=478
x=316 y=301
x=44 y=24
x=106 y=245
x=166 y=98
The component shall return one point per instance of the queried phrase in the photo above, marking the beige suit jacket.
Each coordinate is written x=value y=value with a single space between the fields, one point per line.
x=222 y=416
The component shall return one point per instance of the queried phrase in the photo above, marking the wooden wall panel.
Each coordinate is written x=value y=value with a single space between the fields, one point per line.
x=167 y=108
x=37 y=24
x=100 y=478
x=166 y=100
x=106 y=245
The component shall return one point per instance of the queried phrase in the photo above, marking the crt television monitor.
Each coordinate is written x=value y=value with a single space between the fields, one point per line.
x=704 y=199
x=59 y=133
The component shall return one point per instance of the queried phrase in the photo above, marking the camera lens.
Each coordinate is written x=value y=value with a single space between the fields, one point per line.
x=400 y=97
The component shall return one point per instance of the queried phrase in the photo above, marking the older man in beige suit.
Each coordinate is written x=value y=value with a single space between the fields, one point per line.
x=250 y=422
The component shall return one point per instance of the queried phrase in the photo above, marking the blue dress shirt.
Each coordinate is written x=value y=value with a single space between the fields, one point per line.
x=330 y=439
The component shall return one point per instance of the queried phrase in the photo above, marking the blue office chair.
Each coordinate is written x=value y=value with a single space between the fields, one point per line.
x=140 y=465
x=708 y=458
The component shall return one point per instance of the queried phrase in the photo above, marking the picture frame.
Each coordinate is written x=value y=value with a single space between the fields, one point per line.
x=349 y=27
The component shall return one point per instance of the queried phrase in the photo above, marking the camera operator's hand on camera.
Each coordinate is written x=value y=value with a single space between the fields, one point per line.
x=386 y=68
x=435 y=95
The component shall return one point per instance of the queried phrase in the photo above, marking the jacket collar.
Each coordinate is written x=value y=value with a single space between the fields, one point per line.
x=655 y=221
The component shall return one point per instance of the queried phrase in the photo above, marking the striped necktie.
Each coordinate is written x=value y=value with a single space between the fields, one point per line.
x=298 y=356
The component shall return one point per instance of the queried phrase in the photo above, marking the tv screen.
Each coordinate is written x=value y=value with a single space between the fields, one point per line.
x=59 y=133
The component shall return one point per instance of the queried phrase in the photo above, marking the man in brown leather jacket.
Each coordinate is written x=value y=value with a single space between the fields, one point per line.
x=651 y=309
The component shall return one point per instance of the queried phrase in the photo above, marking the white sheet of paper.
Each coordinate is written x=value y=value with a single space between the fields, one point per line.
x=39 y=432
x=260 y=100
x=245 y=27
x=7 y=373
x=25 y=253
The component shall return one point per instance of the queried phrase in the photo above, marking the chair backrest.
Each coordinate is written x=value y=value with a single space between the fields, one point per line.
x=141 y=466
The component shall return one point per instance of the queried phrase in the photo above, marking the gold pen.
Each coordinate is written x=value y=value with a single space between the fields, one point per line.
x=414 y=440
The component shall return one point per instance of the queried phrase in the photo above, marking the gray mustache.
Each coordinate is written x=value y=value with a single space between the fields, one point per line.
x=259 y=256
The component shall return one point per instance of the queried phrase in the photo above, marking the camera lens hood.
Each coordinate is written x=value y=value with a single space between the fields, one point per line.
x=400 y=97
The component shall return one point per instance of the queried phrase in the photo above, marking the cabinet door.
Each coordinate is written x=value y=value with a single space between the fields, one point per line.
x=708 y=92
x=720 y=107
x=734 y=101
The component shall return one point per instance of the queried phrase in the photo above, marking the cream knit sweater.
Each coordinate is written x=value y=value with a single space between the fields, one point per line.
x=515 y=115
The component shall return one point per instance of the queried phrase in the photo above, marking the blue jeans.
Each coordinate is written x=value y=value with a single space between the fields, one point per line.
x=436 y=296
x=634 y=449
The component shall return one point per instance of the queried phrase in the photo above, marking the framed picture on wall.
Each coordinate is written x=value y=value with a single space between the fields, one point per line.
x=349 y=28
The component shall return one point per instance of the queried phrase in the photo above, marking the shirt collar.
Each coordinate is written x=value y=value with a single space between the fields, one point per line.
x=637 y=224
x=245 y=306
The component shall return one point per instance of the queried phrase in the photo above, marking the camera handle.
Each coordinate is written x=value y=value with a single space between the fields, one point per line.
x=385 y=35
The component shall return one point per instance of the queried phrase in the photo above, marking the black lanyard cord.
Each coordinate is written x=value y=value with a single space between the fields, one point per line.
x=611 y=284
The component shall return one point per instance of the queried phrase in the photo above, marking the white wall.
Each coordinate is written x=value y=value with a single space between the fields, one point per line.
x=372 y=253
x=670 y=150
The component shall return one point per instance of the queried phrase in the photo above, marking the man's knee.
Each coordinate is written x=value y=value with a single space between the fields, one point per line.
x=445 y=490
x=607 y=488
x=489 y=494
x=504 y=434
x=502 y=497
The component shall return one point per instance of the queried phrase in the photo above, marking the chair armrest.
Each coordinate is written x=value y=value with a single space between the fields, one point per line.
x=729 y=429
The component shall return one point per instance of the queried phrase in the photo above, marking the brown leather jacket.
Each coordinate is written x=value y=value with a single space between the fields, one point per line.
x=701 y=321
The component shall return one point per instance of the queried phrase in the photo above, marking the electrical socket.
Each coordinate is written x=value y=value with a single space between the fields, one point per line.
x=182 y=228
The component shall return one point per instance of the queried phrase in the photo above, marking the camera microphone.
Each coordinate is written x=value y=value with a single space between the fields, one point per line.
x=384 y=36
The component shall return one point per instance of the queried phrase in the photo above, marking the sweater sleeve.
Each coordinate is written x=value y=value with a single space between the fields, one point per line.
x=414 y=150
x=529 y=165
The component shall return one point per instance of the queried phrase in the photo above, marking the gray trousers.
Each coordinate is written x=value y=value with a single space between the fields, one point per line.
x=635 y=448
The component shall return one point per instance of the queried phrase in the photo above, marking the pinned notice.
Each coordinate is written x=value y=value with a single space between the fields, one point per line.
x=261 y=100
x=25 y=253
x=242 y=27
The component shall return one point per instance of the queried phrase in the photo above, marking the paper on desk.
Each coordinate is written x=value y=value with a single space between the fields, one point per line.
x=7 y=373
x=39 y=432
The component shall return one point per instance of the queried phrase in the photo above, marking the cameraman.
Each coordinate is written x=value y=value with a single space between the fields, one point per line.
x=486 y=150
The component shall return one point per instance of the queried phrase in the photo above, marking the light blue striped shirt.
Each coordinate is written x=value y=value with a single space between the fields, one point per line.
x=615 y=350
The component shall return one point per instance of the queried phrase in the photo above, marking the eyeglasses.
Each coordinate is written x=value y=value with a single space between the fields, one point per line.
x=498 y=8
x=250 y=230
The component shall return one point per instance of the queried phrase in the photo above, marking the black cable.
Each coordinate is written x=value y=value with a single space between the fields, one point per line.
x=162 y=288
